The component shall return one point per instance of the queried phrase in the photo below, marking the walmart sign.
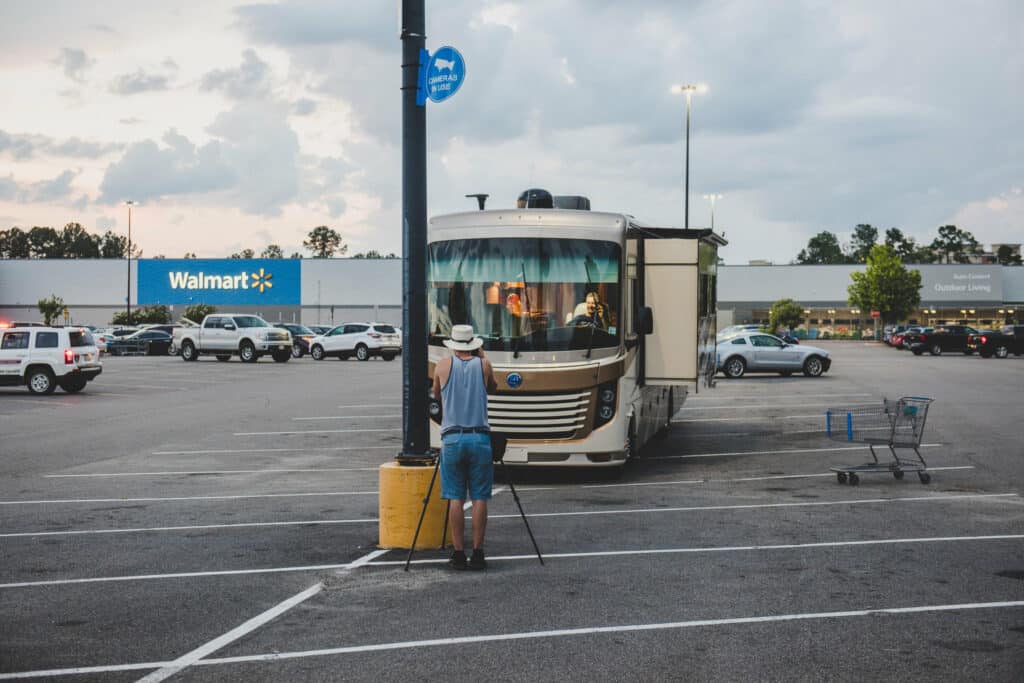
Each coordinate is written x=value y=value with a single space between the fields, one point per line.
x=220 y=282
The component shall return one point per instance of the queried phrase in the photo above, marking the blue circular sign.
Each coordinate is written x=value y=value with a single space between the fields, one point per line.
x=514 y=380
x=446 y=71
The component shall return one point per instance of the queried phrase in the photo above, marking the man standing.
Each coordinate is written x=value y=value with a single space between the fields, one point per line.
x=461 y=384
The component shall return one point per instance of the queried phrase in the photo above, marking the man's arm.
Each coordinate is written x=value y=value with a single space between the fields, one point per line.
x=441 y=367
x=489 y=381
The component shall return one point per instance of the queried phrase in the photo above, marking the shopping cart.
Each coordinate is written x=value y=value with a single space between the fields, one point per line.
x=896 y=424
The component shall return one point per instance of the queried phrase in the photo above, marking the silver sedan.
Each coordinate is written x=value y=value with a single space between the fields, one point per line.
x=760 y=352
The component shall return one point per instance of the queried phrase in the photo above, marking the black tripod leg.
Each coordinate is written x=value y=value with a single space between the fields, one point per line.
x=522 y=514
x=447 y=511
x=426 y=501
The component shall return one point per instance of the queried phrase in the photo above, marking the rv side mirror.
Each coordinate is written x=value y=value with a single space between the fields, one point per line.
x=645 y=320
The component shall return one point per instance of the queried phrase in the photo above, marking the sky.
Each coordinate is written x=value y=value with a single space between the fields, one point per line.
x=234 y=125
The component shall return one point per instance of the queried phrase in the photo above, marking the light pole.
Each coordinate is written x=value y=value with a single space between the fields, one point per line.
x=712 y=198
x=687 y=90
x=128 y=301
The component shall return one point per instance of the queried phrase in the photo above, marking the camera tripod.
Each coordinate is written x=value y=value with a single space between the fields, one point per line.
x=444 y=532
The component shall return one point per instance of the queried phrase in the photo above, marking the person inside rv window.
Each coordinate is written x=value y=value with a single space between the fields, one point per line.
x=590 y=312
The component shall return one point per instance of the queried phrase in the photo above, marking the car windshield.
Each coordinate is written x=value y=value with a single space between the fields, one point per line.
x=526 y=294
x=300 y=330
x=250 y=321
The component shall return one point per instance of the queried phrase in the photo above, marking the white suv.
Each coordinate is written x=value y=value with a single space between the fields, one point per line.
x=43 y=358
x=361 y=340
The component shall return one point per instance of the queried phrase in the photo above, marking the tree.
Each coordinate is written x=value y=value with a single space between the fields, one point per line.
x=955 y=244
x=272 y=251
x=51 y=308
x=324 y=242
x=44 y=243
x=196 y=312
x=295 y=254
x=245 y=253
x=14 y=244
x=77 y=242
x=902 y=245
x=1005 y=255
x=885 y=285
x=158 y=315
x=864 y=237
x=189 y=254
x=113 y=245
x=373 y=253
x=823 y=248
x=785 y=313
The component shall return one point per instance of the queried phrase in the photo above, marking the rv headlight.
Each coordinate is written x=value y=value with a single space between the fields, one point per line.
x=606 y=412
x=608 y=395
x=606 y=400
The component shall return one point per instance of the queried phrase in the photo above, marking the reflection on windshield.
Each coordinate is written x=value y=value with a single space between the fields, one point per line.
x=527 y=294
x=250 y=321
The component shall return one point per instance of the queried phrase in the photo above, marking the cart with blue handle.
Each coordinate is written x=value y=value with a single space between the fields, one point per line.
x=895 y=424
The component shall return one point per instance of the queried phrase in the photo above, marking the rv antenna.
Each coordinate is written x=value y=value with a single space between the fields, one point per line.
x=481 y=199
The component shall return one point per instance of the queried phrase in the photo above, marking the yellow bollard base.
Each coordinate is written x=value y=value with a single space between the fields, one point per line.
x=402 y=489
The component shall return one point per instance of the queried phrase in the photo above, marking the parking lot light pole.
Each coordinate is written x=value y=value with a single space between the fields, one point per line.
x=128 y=300
x=687 y=90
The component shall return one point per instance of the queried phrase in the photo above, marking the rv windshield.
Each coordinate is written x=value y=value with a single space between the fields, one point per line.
x=526 y=294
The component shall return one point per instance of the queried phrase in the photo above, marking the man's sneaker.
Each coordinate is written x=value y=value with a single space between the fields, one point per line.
x=457 y=560
x=478 y=561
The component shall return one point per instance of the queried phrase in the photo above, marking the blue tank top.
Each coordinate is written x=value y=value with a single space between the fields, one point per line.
x=464 y=396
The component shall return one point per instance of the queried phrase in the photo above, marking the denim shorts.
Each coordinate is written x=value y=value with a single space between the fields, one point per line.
x=466 y=464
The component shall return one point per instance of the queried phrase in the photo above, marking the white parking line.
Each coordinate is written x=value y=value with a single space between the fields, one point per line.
x=607 y=553
x=180 y=498
x=754 y=418
x=318 y=431
x=220 y=451
x=163 y=387
x=720 y=481
x=770 y=452
x=530 y=635
x=774 y=405
x=724 y=396
x=191 y=527
x=374 y=405
x=346 y=417
x=197 y=472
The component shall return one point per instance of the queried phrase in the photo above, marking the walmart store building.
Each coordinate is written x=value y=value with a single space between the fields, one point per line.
x=328 y=291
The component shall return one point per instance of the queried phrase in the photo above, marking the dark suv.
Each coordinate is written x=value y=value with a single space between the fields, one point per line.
x=301 y=336
x=952 y=338
x=1000 y=343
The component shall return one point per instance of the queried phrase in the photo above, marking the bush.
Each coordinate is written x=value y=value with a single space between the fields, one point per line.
x=197 y=312
x=157 y=315
x=51 y=308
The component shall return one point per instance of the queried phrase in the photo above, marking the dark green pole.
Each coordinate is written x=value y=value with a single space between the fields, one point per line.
x=415 y=385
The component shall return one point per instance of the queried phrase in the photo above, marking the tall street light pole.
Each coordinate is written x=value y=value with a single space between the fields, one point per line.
x=687 y=90
x=713 y=198
x=128 y=301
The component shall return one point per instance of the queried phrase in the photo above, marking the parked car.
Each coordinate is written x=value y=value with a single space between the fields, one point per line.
x=362 y=340
x=760 y=352
x=891 y=331
x=951 y=338
x=1001 y=343
x=227 y=334
x=145 y=342
x=319 y=330
x=910 y=336
x=301 y=336
x=43 y=358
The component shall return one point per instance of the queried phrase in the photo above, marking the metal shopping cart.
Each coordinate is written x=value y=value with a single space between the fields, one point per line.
x=896 y=424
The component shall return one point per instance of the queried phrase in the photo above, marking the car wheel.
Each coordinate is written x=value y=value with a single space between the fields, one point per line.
x=1002 y=351
x=188 y=351
x=918 y=352
x=247 y=352
x=387 y=356
x=40 y=381
x=813 y=367
x=317 y=352
x=73 y=385
x=172 y=349
x=223 y=358
x=734 y=367
x=362 y=353
x=281 y=356
x=296 y=351
x=936 y=350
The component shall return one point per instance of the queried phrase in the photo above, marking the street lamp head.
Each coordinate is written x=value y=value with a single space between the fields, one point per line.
x=130 y=203
x=683 y=88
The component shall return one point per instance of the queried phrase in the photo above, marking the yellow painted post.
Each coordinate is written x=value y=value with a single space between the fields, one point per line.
x=402 y=488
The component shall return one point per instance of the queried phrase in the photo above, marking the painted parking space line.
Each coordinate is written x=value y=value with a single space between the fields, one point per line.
x=162 y=387
x=873 y=612
x=727 y=397
x=1003 y=497
x=223 y=451
x=374 y=405
x=786 y=451
x=102 y=475
x=753 y=418
x=629 y=554
x=347 y=417
x=771 y=406
x=70 y=501
x=318 y=431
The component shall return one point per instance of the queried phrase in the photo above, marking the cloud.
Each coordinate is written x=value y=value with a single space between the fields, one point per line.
x=74 y=62
x=250 y=80
x=321 y=22
x=303 y=107
x=251 y=163
x=105 y=223
x=138 y=82
x=52 y=190
x=22 y=147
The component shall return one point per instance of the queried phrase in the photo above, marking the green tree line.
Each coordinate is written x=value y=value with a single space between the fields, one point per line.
x=951 y=245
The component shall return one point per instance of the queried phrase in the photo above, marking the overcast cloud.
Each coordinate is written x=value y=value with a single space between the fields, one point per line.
x=232 y=123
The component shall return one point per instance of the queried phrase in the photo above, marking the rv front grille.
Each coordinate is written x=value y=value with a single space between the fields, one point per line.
x=538 y=416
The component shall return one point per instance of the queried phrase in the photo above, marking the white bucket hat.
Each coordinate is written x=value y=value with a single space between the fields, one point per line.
x=462 y=339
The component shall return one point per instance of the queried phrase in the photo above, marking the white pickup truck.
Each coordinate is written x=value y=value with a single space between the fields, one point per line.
x=226 y=334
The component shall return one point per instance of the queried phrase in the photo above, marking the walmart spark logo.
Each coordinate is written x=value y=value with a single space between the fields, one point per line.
x=261 y=280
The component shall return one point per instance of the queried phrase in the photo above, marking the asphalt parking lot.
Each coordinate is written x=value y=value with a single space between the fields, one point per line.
x=208 y=521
